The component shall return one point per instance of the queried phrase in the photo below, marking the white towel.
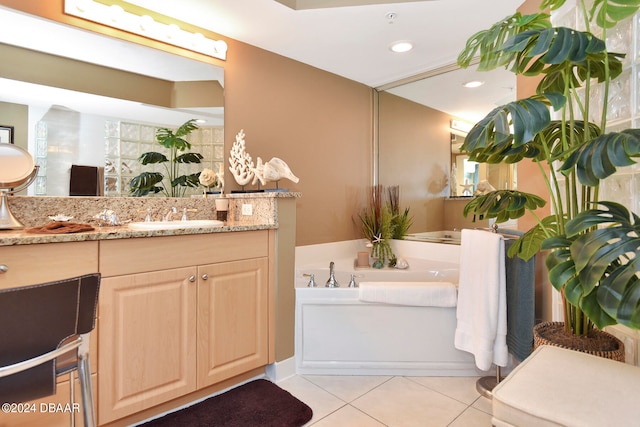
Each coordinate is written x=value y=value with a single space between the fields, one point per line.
x=424 y=294
x=482 y=302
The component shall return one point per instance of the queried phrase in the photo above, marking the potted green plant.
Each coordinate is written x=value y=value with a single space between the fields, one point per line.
x=593 y=244
x=382 y=221
x=175 y=143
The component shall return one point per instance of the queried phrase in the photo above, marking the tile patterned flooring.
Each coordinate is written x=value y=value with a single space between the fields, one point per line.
x=394 y=401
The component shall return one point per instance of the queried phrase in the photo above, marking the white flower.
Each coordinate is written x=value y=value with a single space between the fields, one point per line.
x=208 y=178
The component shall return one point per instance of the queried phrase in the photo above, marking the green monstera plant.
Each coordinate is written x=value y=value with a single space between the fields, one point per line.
x=175 y=142
x=593 y=244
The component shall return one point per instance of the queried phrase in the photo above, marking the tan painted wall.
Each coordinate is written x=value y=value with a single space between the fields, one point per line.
x=317 y=122
x=415 y=154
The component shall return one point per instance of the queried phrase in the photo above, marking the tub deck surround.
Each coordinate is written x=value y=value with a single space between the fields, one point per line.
x=35 y=211
x=338 y=334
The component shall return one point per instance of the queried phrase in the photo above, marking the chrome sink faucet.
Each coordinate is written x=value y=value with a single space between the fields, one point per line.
x=332 y=282
x=169 y=215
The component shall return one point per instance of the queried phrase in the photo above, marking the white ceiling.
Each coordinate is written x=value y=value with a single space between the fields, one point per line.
x=350 y=41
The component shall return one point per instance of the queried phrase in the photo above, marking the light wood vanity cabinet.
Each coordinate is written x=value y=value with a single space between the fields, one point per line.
x=178 y=314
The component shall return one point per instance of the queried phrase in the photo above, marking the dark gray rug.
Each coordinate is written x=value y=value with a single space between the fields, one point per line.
x=259 y=403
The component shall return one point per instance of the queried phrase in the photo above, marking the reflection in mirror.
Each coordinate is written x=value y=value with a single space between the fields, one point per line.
x=17 y=171
x=469 y=178
x=100 y=105
x=446 y=91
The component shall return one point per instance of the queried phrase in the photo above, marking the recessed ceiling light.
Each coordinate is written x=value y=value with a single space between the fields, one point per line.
x=473 y=83
x=401 y=46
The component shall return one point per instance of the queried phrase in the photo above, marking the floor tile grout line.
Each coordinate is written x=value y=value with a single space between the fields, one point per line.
x=389 y=378
x=446 y=395
x=355 y=398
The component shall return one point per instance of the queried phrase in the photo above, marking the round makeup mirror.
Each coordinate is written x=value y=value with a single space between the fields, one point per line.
x=17 y=171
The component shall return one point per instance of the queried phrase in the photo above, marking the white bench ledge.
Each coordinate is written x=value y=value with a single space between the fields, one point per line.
x=560 y=387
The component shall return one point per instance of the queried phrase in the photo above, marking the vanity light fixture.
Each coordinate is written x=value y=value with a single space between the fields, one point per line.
x=116 y=16
x=473 y=83
x=401 y=46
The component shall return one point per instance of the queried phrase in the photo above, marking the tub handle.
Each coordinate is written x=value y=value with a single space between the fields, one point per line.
x=312 y=280
x=352 y=282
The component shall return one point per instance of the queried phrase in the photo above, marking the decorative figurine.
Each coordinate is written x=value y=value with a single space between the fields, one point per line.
x=240 y=162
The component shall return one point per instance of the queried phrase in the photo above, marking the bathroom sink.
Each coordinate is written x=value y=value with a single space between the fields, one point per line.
x=173 y=225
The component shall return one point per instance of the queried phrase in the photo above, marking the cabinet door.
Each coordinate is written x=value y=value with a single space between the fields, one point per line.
x=50 y=411
x=147 y=341
x=232 y=319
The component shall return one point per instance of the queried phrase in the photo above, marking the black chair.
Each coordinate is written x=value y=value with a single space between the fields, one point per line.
x=44 y=333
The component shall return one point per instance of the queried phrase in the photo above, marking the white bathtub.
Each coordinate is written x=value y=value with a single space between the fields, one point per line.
x=337 y=334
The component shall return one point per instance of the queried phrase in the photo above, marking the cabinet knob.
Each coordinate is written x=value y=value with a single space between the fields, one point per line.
x=3 y=268
x=192 y=278
x=205 y=276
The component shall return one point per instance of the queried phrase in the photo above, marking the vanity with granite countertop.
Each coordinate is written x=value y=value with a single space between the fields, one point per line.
x=182 y=312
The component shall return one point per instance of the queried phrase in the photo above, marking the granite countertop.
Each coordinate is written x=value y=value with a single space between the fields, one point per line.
x=21 y=237
x=34 y=211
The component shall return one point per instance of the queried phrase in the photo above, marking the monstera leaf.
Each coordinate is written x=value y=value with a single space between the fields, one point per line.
x=597 y=159
x=487 y=43
x=492 y=141
x=502 y=205
x=170 y=139
x=607 y=12
x=152 y=157
x=189 y=158
x=530 y=243
x=145 y=183
x=187 y=180
x=597 y=268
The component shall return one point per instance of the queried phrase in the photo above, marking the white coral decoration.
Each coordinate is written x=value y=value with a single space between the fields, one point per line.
x=240 y=162
x=258 y=174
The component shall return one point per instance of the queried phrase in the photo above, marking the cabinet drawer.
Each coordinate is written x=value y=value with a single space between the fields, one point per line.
x=140 y=255
x=32 y=264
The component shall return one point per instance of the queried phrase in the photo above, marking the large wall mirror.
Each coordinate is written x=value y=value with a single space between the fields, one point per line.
x=98 y=102
x=422 y=122
x=446 y=90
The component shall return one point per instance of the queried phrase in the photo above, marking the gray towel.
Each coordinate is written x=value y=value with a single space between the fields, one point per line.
x=520 y=278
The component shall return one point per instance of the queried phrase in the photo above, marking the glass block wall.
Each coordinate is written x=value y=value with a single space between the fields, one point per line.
x=41 y=158
x=623 y=105
x=624 y=96
x=125 y=142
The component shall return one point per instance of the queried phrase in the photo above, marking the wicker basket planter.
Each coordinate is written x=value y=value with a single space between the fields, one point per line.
x=597 y=343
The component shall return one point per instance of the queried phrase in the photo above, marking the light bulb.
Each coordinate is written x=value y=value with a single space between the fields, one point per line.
x=401 y=46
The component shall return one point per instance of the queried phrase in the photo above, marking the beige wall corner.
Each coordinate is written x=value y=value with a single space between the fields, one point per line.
x=320 y=124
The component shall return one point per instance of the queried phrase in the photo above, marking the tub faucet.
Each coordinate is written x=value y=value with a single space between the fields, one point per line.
x=332 y=282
